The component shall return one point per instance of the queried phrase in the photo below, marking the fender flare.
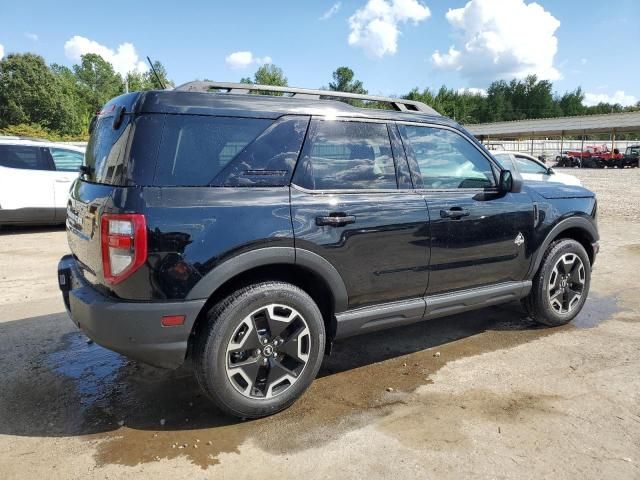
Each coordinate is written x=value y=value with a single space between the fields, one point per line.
x=573 y=222
x=261 y=257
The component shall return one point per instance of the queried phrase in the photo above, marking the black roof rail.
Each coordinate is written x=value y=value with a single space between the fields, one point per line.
x=399 y=104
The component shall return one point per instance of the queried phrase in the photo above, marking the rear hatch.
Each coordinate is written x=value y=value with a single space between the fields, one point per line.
x=107 y=183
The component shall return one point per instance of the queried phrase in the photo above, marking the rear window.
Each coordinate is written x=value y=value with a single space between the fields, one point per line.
x=105 y=152
x=194 y=149
x=24 y=157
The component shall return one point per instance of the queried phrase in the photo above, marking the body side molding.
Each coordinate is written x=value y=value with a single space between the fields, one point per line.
x=378 y=317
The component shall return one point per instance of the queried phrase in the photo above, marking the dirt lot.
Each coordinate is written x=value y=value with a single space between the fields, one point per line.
x=482 y=395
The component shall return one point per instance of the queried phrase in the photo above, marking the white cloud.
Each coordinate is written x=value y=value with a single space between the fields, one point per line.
x=374 y=27
x=335 y=8
x=244 y=59
x=31 y=36
x=474 y=91
x=591 y=99
x=501 y=39
x=124 y=60
x=1 y=51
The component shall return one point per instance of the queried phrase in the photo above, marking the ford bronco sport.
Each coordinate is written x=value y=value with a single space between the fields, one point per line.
x=248 y=232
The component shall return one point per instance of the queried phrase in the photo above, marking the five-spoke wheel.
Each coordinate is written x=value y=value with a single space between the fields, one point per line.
x=268 y=351
x=560 y=287
x=566 y=283
x=260 y=348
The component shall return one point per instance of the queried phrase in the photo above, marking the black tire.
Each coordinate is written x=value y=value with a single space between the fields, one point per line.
x=538 y=303
x=225 y=319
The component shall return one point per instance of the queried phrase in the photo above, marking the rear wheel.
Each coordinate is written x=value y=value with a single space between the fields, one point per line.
x=561 y=284
x=260 y=350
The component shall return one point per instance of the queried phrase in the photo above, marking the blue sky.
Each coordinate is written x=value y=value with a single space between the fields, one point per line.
x=392 y=45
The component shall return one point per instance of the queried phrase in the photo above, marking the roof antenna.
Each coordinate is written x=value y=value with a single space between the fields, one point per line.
x=155 y=73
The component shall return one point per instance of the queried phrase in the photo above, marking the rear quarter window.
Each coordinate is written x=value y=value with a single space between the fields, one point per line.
x=195 y=149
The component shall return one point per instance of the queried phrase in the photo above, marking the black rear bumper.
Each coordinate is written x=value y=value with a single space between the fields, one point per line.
x=130 y=328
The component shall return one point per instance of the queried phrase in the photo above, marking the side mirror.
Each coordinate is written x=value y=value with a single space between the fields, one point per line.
x=550 y=171
x=509 y=182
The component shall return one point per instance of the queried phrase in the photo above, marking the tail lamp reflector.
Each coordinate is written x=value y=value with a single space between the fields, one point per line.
x=124 y=245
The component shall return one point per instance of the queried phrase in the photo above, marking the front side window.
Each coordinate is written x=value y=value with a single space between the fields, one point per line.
x=24 y=157
x=446 y=159
x=346 y=155
x=526 y=165
x=66 y=160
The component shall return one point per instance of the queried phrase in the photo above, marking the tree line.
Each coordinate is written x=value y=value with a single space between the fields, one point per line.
x=54 y=101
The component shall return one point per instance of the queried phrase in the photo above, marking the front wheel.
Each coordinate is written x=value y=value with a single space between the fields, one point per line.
x=561 y=285
x=261 y=348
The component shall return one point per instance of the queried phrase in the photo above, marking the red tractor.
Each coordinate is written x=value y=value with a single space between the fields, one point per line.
x=594 y=156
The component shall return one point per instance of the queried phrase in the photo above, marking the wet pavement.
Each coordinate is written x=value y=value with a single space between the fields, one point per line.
x=142 y=414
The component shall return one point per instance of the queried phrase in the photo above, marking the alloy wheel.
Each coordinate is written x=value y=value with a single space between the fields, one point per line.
x=566 y=283
x=268 y=351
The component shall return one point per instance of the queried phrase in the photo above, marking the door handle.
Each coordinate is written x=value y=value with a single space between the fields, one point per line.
x=454 y=213
x=338 y=219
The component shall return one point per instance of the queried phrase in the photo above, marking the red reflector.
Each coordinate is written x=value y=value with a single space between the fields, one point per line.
x=119 y=241
x=173 y=320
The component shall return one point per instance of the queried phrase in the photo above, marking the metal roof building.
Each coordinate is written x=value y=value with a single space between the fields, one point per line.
x=546 y=127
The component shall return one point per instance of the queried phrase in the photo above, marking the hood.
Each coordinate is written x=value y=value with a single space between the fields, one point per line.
x=559 y=190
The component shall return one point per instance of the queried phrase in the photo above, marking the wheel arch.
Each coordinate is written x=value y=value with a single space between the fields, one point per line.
x=579 y=229
x=305 y=269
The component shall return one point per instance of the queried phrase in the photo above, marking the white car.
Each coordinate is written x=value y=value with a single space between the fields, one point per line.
x=35 y=177
x=531 y=168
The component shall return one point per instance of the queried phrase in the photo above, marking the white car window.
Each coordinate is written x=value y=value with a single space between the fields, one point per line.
x=67 y=160
x=24 y=157
x=505 y=160
x=526 y=165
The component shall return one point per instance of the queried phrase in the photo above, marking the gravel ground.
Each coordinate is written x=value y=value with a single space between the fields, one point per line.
x=483 y=395
x=618 y=191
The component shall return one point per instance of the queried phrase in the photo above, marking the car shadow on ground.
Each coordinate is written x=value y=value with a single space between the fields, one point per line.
x=60 y=386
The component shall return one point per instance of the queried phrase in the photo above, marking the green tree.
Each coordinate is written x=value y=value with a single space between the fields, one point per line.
x=343 y=81
x=30 y=93
x=269 y=74
x=97 y=81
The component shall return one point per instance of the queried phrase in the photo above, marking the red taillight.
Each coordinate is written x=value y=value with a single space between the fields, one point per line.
x=124 y=245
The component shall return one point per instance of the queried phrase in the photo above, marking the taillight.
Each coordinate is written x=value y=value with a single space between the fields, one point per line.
x=124 y=245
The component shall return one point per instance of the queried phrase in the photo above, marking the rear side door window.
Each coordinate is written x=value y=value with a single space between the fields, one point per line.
x=446 y=160
x=346 y=155
x=66 y=160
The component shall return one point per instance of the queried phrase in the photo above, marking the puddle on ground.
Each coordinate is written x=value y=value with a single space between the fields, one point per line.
x=93 y=368
x=142 y=414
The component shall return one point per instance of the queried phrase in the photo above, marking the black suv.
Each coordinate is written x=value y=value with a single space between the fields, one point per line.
x=247 y=232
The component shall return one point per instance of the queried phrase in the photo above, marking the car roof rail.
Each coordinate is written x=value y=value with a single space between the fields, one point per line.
x=399 y=104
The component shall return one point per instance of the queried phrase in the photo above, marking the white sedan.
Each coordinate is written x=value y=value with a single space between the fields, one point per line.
x=35 y=177
x=531 y=168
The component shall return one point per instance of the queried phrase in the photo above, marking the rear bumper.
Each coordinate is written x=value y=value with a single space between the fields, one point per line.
x=130 y=328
